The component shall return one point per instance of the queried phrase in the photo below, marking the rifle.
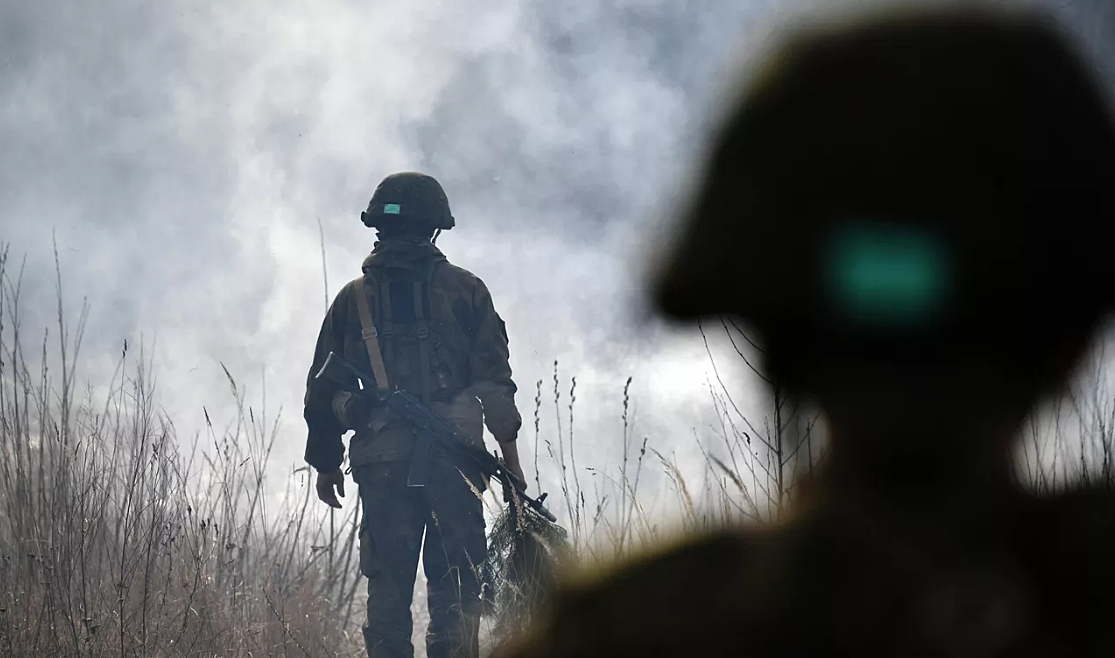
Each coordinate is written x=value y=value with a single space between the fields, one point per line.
x=430 y=428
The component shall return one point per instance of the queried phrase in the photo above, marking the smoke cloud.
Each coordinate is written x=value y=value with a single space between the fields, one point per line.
x=184 y=154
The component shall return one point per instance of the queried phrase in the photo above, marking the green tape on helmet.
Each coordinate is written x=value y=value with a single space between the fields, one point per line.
x=391 y=209
x=888 y=275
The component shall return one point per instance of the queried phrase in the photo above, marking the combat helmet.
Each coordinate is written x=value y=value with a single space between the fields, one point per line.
x=936 y=183
x=409 y=197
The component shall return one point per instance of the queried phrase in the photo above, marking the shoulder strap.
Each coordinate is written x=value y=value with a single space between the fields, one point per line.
x=371 y=340
x=423 y=328
x=386 y=323
x=427 y=356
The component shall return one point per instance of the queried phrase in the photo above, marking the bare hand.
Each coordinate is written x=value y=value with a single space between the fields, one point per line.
x=326 y=482
x=511 y=463
x=517 y=472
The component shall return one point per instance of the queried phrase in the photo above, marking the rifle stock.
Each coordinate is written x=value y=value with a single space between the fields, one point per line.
x=430 y=428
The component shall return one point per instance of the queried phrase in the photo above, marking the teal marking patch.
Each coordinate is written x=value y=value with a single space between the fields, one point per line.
x=887 y=274
x=391 y=208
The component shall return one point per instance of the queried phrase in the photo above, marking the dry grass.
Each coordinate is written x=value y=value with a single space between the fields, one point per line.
x=118 y=538
x=115 y=541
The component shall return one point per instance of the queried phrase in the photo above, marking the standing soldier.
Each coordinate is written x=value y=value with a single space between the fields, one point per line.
x=430 y=328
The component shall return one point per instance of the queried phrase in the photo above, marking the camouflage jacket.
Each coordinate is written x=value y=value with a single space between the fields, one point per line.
x=468 y=345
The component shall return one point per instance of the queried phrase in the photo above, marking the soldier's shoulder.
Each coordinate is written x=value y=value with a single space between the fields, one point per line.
x=677 y=600
x=458 y=277
x=353 y=284
x=714 y=551
x=343 y=298
x=453 y=270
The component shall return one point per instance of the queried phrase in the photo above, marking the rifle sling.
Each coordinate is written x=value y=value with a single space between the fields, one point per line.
x=371 y=340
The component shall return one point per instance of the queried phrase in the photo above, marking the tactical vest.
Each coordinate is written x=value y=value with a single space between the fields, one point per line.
x=412 y=349
x=424 y=338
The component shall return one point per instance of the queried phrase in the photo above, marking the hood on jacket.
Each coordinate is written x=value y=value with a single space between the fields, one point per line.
x=404 y=253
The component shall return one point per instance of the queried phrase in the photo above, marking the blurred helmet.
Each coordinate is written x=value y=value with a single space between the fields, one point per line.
x=929 y=182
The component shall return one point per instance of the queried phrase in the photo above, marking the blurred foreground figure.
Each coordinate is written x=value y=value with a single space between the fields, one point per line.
x=915 y=212
x=420 y=324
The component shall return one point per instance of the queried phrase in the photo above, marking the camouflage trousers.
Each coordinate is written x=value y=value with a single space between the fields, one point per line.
x=391 y=538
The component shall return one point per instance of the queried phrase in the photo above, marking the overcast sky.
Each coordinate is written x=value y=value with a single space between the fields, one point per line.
x=184 y=152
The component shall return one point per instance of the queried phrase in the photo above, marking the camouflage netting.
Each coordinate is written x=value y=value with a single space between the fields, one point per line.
x=525 y=554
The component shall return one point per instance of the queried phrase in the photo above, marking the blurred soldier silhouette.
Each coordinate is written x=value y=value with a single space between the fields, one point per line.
x=914 y=209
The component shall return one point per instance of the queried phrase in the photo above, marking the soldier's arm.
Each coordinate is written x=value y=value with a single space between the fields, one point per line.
x=491 y=368
x=324 y=448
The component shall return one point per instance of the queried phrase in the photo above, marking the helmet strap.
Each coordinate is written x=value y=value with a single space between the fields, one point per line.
x=437 y=232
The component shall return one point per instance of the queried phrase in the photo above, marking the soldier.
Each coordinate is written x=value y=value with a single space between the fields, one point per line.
x=915 y=210
x=429 y=327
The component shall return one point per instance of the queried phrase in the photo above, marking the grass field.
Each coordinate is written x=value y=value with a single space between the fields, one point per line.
x=119 y=539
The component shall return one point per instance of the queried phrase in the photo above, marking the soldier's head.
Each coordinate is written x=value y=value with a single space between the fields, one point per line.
x=914 y=212
x=408 y=204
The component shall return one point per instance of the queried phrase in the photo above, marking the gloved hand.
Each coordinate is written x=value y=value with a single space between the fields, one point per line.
x=351 y=410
